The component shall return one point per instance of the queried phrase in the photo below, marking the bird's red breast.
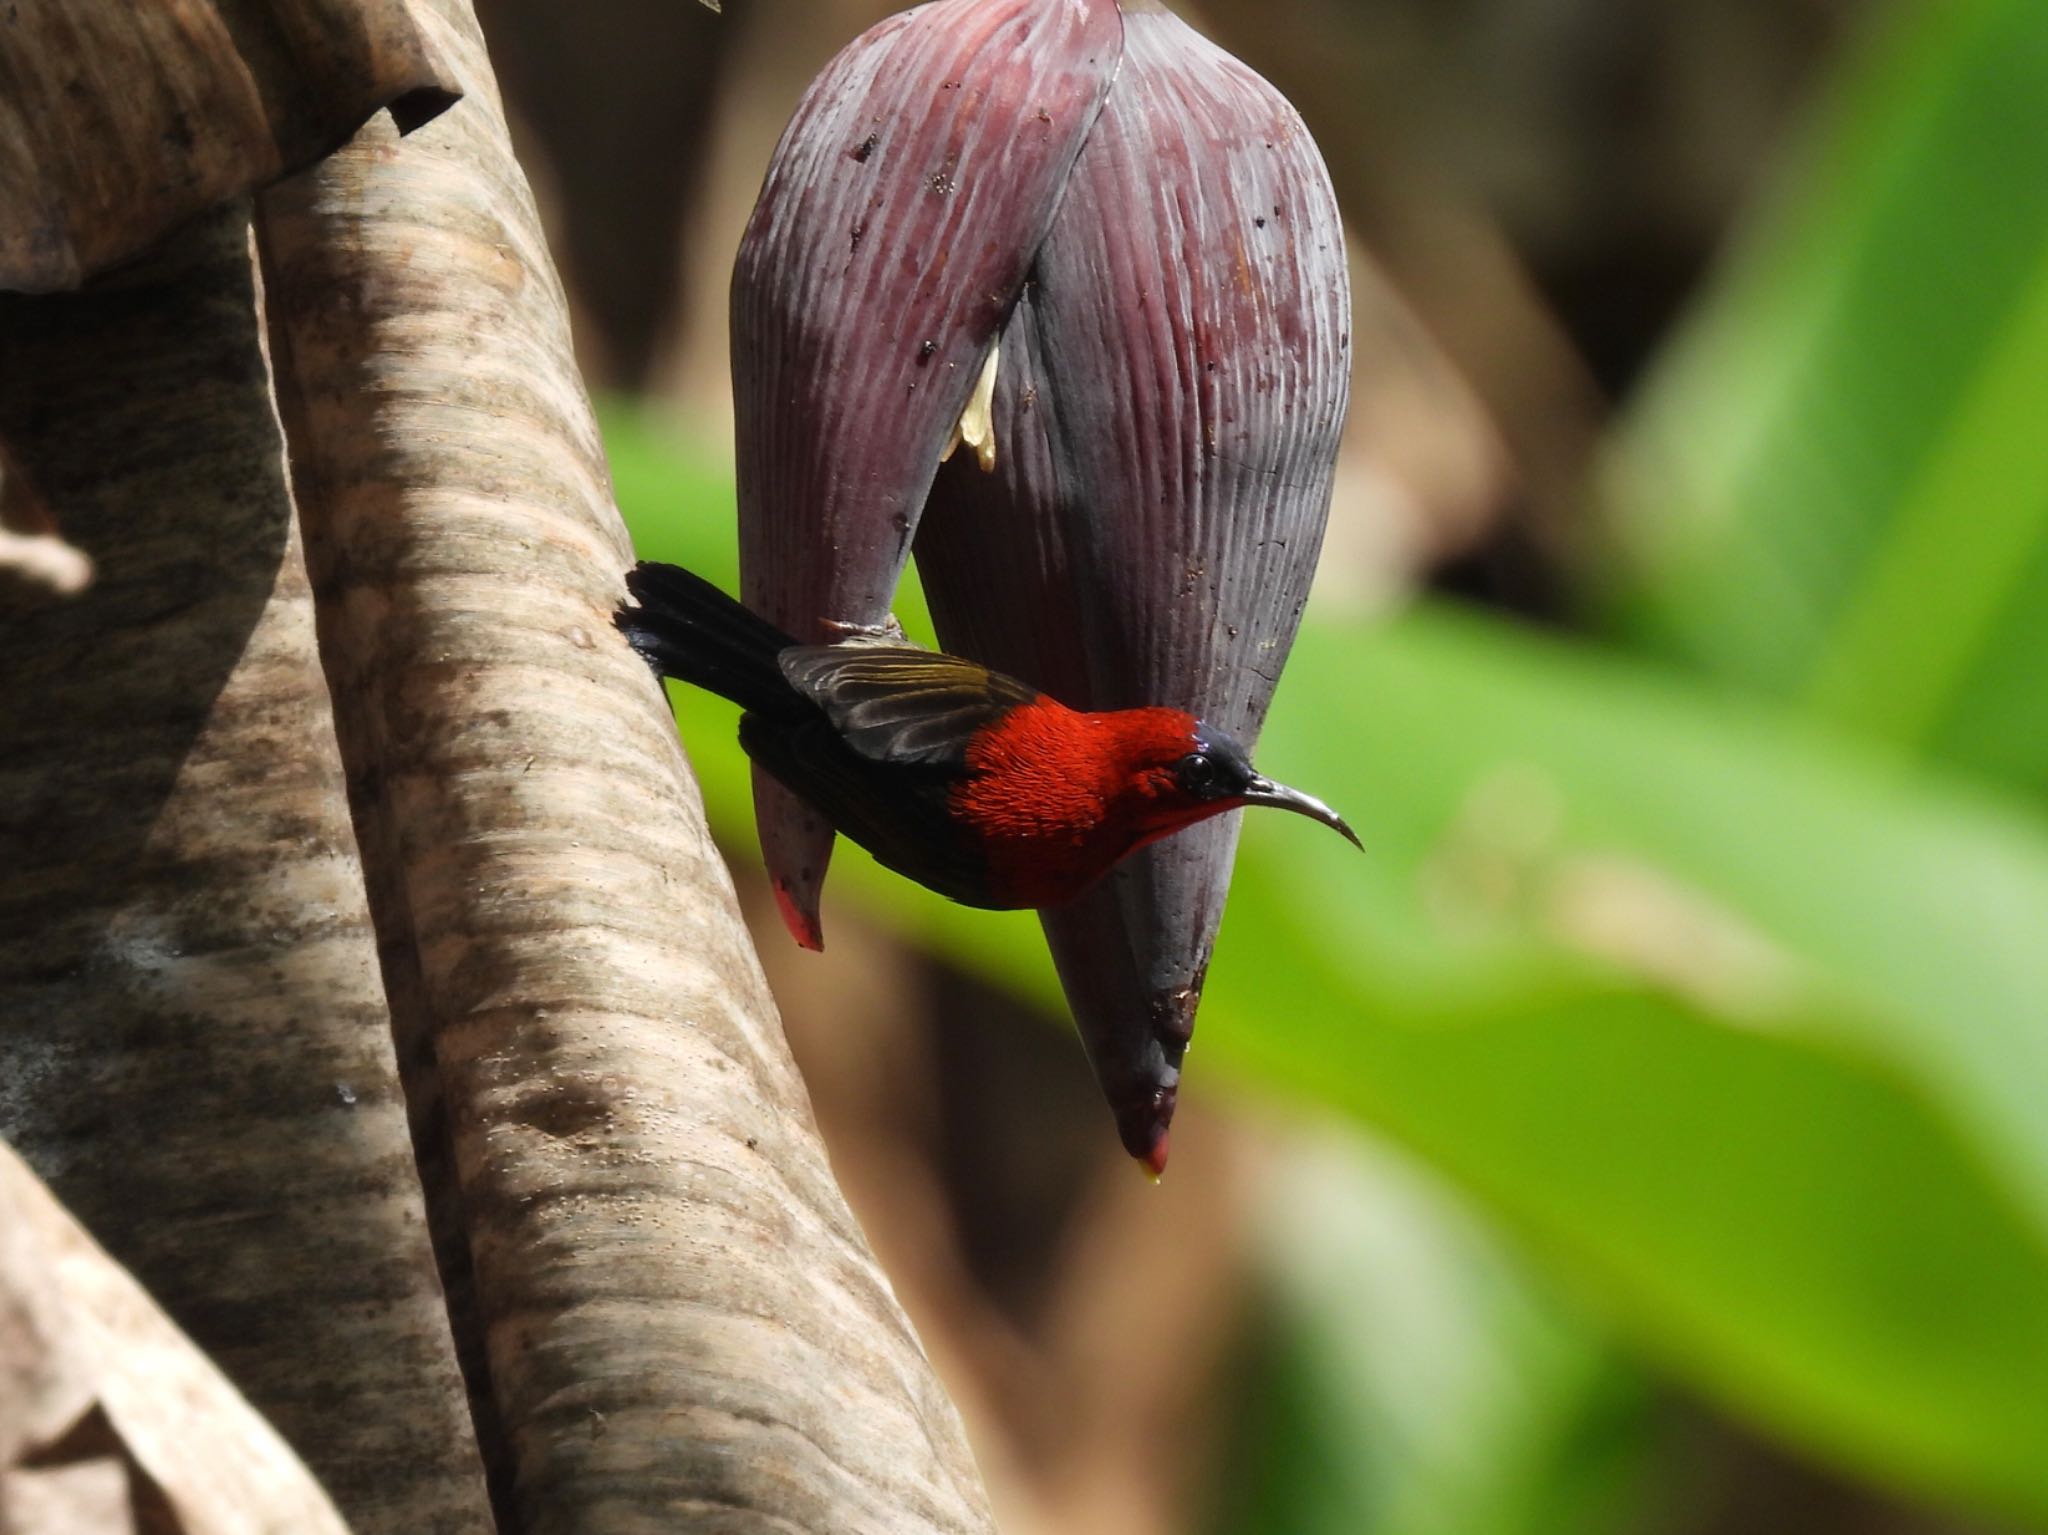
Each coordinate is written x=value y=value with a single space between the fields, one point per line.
x=1056 y=796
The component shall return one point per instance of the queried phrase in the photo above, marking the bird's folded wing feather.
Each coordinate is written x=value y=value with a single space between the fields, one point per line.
x=897 y=703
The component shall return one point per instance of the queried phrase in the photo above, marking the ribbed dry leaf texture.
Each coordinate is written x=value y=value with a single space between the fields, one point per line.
x=684 y=1325
x=112 y=1420
x=118 y=121
x=194 y=1047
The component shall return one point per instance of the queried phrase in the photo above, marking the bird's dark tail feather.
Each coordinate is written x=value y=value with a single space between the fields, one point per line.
x=688 y=629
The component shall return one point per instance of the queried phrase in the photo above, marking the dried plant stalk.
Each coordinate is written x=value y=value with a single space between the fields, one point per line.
x=684 y=1324
x=194 y=1047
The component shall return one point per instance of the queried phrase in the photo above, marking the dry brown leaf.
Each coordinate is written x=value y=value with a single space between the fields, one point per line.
x=684 y=1322
x=111 y=1419
x=194 y=1045
x=118 y=121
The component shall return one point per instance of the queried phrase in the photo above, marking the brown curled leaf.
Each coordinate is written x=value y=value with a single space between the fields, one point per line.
x=120 y=121
x=110 y=1418
x=682 y=1324
x=195 y=1049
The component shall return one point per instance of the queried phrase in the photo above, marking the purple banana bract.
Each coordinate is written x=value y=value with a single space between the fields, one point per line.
x=1114 y=251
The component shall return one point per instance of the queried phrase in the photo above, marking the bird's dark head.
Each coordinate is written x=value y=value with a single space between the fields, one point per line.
x=1193 y=770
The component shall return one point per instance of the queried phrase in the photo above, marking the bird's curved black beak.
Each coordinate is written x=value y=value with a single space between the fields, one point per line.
x=1263 y=791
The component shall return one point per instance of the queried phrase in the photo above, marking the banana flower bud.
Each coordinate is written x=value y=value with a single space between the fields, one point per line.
x=1166 y=380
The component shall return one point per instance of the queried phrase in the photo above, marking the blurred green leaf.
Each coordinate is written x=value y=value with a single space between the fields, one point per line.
x=1662 y=981
x=1529 y=797
x=1407 y=1378
x=1737 y=1027
x=1835 y=487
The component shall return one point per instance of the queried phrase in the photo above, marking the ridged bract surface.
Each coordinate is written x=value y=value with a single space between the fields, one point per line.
x=1172 y=389
x=900 y=213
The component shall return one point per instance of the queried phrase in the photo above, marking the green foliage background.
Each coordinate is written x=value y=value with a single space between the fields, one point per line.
x=1705 y=952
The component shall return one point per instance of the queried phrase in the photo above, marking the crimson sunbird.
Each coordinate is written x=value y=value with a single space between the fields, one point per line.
x=972 y=783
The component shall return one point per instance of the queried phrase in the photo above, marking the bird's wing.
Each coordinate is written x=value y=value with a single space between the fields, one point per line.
x=897 y=703
x=899 y=813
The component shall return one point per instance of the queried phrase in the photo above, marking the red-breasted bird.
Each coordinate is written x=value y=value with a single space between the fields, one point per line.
x=967 y=781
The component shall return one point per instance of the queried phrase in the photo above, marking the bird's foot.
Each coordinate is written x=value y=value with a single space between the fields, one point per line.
x=888 y=632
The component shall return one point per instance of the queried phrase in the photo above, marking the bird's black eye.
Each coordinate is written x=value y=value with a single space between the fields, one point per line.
x=1199 y=775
